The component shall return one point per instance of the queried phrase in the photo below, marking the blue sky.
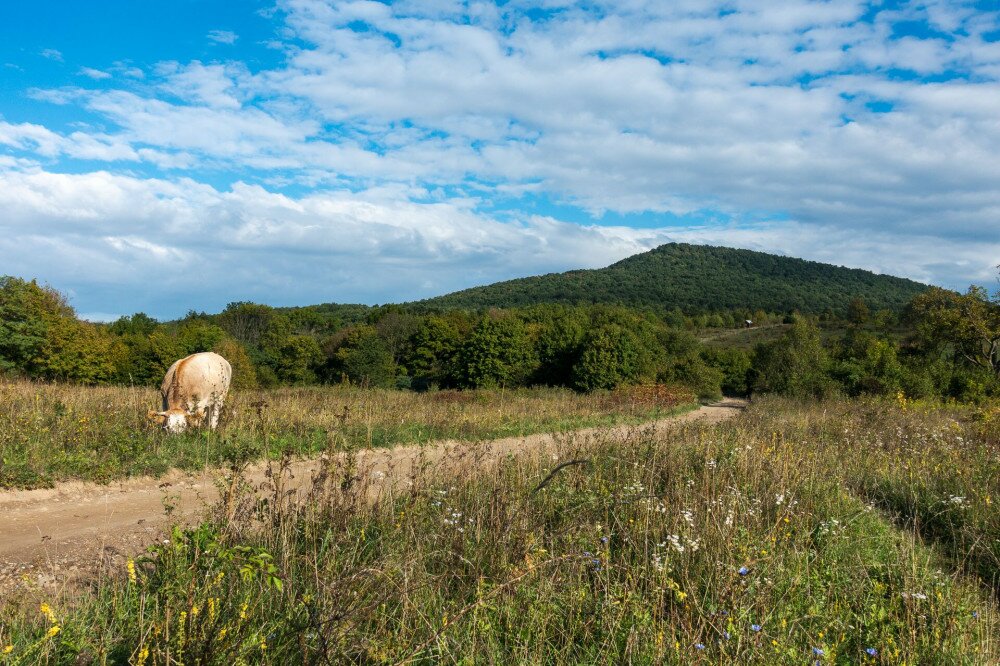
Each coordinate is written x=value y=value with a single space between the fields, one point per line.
x=168 y=156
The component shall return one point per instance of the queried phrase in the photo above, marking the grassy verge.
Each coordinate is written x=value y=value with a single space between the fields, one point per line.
x=50 y=433
x=759 y=541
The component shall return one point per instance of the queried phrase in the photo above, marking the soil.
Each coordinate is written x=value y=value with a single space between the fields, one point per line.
x=54 y=538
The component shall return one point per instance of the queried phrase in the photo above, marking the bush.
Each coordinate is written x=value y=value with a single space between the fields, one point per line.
x=796 y=364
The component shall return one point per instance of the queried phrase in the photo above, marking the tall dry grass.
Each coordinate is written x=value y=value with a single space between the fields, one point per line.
x=53 y=432
x=767 y=540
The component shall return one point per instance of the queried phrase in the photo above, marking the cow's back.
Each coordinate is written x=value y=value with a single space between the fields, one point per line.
x=205 y=376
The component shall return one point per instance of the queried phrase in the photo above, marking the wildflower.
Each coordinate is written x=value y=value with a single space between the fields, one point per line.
x=47 y=612
x=743 y=571
x=975 y=614
x=7 y=649
x=699 y=646
x=818 y=651
x=53 y=630
x=130 y=565
x=604 y=539
x=871 y=652
x=142 y=657
x=755 y=627
x=725 y=634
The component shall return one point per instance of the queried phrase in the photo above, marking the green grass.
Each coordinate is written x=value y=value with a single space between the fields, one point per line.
x=765 y=540
x=58 y=432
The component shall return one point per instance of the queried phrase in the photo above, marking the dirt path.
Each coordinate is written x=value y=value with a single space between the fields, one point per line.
x=58 y=534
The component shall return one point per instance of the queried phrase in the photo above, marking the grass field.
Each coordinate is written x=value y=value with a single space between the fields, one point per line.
x=56 y=432
x=836 y=532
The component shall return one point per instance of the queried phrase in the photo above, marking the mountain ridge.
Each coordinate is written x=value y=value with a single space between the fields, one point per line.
x=697 y=279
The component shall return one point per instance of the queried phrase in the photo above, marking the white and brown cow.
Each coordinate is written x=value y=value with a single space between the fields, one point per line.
x=194 y=389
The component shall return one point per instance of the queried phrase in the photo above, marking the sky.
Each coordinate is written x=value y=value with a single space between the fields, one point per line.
x=169 y=156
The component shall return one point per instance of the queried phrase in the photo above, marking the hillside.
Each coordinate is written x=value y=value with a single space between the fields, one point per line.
x=699 y=278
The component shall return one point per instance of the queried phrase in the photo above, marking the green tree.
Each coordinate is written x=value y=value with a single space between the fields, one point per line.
x=246 y=322
x=497 y=352
x=965 y=325
x=197 y=335
x=41 y=336
x=296 y=358
x=857 y=311
x=244 y=372
x=866 y=364
x=734 y=364
x=795 y=364
x=609 y=357
x=23 y=330
x=559 y=347
x=138 y=324
x=365 y=358
x=433 y=351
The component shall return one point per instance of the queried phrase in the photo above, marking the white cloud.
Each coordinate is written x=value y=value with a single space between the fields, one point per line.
x=435 y=111
x=222 y=36
x=96 y=74
x=52 y=54
x=129 y=244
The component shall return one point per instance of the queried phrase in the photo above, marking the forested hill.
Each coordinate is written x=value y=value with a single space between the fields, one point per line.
x=699 y=278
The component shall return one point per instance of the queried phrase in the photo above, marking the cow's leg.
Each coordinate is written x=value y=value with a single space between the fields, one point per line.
x=216 y=412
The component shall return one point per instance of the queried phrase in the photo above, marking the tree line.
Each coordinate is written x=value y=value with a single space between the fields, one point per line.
x=944 y=344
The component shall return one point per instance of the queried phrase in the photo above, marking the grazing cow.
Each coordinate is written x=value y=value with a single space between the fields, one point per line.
x=194 y=388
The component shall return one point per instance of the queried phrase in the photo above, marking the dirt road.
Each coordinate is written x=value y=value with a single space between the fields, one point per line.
x=59 y=534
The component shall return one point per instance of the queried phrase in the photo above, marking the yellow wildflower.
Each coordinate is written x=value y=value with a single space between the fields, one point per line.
x=143 y=656
x=53 y=630
x=47 y=612
x=8 y=649
x=130 y=565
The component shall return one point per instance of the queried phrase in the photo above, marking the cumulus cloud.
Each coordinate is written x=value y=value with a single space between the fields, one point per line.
x=52 y=54
x=419 y=136
x=165 y=246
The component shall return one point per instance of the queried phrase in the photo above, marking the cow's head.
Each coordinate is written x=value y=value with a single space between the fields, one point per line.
x=172 y=420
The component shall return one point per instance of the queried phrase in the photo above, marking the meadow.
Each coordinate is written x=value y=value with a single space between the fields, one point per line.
x=52 y=432
x=828 y=532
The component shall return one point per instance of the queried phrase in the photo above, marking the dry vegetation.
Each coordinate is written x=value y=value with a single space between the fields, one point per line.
x=54 y=432
x=836 y=532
